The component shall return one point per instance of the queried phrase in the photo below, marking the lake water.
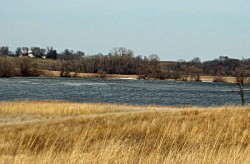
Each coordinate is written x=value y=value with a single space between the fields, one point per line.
x=120 y=91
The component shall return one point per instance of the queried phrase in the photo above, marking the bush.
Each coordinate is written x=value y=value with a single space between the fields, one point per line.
x=6 y=67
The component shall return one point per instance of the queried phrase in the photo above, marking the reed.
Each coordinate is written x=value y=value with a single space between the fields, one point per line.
x=65 y=132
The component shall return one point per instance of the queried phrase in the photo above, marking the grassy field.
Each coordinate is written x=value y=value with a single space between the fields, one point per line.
x=65 y=132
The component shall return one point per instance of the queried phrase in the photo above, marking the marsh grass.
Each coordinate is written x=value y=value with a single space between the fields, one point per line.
x=104 y=133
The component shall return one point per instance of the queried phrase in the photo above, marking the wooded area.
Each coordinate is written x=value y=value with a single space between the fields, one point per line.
x=120 y=60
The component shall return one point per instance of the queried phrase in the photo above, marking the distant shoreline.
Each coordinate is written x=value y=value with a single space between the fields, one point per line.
x=203 y=78
x=46 y=73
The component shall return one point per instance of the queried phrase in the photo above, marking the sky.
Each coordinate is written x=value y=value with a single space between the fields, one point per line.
x=176 y=29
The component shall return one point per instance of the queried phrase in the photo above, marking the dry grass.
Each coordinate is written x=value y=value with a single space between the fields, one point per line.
x=96 y=75
x=104 y=133
x=87 y=75
x=228 y=79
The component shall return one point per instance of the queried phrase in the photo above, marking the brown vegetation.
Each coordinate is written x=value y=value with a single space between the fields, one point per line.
x=120 y=61
x=46 y=67
x=6 y=67
x=64 y=132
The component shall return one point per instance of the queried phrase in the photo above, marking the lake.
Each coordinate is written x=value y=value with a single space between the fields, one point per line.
x=128 y=91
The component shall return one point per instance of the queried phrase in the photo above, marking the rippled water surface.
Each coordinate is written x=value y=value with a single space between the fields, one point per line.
x=120 y=91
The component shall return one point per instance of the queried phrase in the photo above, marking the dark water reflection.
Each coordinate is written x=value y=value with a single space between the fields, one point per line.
x=120 y=91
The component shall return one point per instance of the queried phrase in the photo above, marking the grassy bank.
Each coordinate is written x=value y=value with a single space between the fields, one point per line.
x=228 y=79
x=87 y=75
x=64 y=132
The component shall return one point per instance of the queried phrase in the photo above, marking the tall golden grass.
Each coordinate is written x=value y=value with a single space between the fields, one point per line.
x=64 y=132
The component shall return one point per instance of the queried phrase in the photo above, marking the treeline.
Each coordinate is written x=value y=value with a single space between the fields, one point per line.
x=37 y=52
x=120 y=60
x=223 y=66
x=22 y=66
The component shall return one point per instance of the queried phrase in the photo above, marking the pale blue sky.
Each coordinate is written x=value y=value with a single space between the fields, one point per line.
x=176 y=29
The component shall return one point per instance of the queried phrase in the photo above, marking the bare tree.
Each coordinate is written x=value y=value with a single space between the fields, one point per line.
x=120 y=51
x=25 y=51
x=154 y=67
x=27 y=67
x=18 y=51
x=6 y=67
x=241 y=79
x=195 y=69
x=38 y=52
x=51 y=53
x=4 y=50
